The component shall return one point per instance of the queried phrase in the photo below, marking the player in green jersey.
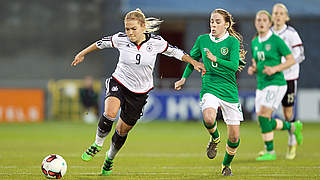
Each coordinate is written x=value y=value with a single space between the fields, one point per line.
x=267 y=50
x=220 y=51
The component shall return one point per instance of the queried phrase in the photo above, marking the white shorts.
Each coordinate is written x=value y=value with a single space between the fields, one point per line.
x=232 y=112
x=270 y=96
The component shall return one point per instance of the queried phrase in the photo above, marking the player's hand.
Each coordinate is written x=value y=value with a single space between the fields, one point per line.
x=78 y=59
x=269 y=70
x=178 y=84
x=252 y=70
x=211 y=56
x=199 y=67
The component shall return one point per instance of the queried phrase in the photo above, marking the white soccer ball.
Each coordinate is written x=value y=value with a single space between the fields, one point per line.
x=54 y=166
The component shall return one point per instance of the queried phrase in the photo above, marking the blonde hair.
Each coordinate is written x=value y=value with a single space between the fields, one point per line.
x=283 y=7
x=152 y=24
x=266 y=13
x=228 y=18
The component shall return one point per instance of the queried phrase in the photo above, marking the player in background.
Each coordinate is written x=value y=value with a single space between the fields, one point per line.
x=267 y=50
x=220 y=51
x=290 y=36
x=131 y=81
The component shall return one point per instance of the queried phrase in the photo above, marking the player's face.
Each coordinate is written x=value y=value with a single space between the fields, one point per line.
x=262 y=23
x=218 y=25
x=279 y=16
x=134 y=30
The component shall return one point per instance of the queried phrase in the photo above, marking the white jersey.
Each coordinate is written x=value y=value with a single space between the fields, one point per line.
x=290 y=36
x=136 y=62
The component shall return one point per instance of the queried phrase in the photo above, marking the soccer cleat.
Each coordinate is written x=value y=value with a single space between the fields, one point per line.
x=226 y=170
x=212 y=148
x=91 y=152
x=267 y=157
x=107 y=167
x=291 y=154
x=298 y=132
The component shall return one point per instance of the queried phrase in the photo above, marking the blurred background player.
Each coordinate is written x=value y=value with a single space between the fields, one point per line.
x=131 y=81
x=267 y=50
x=89 y=100
x=290 y=36
x=220 y=51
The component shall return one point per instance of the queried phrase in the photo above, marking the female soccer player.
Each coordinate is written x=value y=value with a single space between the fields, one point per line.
x=220 y=52
x=132 y=80
x=290 y=36
x=267 y=50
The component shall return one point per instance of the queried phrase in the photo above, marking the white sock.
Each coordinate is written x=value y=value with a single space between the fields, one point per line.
x=99 y=140
x=112 y=152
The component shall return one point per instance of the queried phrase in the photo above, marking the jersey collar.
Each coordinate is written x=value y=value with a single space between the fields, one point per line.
x=266 y=37
x=220 y=39
x=280 y=31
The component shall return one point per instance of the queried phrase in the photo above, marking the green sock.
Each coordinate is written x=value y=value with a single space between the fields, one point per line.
x=231 y=149
x=269 y=145
x=215 y=134
x=286 y=125
x=273 y=123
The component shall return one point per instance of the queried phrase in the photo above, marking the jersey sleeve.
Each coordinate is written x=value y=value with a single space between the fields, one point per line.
x=297 y=47
x=107 y=42
x=233 y=62
x=171 y=51
x=195 y=54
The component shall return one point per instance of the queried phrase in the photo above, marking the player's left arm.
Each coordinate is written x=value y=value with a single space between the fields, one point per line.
x=297 y=48
x=174 y=51
x=233 y=62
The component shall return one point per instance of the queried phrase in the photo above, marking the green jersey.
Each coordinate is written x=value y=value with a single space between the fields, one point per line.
x=268 y=52
x=219 y=79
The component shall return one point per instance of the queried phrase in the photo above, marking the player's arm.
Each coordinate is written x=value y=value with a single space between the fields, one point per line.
x=282 y=66
x=231 y=64
x=297 y=48
x=80 y=56
x=105 y=42
x=195 y=53
x=253 y=68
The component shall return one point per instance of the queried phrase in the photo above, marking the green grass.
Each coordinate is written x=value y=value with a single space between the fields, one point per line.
x=154 y=150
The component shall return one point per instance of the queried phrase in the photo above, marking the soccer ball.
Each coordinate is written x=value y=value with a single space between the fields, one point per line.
x=53 y=166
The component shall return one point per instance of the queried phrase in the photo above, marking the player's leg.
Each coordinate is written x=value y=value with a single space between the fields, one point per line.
x=232 y=113
x=112 y=106
x=288 y=112
x=267 y=133
x=131 y=111
x=209 y=107
x=118 y=139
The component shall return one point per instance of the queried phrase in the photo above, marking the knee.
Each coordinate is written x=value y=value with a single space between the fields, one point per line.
x=209 y=118
x=111 y=114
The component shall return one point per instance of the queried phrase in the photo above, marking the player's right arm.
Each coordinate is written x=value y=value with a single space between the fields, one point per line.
x=105 y=42
x=195 y=54
x=80 y=56
x=253 y=68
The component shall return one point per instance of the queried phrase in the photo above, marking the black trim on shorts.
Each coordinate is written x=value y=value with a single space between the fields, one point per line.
x=290 y=96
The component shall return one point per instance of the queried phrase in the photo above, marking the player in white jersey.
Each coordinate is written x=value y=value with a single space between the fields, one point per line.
x=131 y=81
x=290 y=36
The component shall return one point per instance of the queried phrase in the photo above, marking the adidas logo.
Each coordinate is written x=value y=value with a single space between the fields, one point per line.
x=114 y=88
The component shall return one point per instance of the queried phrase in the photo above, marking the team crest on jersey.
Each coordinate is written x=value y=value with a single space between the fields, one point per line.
x=255 y=48
x=114 y=88
x=268 y=47
x=224 y=51
x=149 y=47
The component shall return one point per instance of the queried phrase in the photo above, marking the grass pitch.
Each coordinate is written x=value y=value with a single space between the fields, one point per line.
x=154 y=150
